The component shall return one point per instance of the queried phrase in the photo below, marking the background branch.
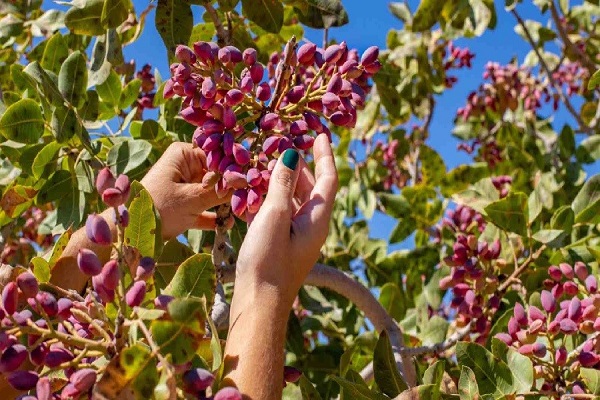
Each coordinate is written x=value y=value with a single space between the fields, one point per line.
x=338 y=281
x=582 y=125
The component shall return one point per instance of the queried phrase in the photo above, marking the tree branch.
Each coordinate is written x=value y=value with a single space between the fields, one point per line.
x=546 y=69
x=222 y=36
x=582 y=56
x=519 y=270
x=336 y=280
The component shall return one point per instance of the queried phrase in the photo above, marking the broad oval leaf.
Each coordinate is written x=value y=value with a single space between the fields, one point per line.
x=22 y=122
x=268 y=14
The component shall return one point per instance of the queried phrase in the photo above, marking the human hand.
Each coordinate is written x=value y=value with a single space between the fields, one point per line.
x=285 y=236
x=175 y=185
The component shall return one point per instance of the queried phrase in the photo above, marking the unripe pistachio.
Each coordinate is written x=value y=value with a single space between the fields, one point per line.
x=28 y=284
x=88 y=262
x=97 y=230
x=83 y=379
x=198 y=379
x=23 y=380
x=135 y=294
x=104 y=180
x=10 y=295
x=145 y=268
x=228 y=393
x=12 y=358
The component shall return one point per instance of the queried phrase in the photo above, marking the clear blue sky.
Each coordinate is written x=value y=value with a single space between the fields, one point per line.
x=369 y=23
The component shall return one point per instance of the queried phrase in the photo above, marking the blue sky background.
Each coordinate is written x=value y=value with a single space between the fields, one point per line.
x=369 y=23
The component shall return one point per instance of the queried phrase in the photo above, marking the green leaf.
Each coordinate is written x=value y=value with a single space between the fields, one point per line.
x=591 y=378
x=72 y=79
x=309 y=392
x=59 y=248
x=434 y=330
x=587 y=196
x=522 y=369
x=393 y=300
x=174 y=22
x=110 y=89
x=467 y=384
x=175 y=339
x=65 y=124
x=56 y=52
x=357 y=391
x=114 y=13
x=547 y=235
x=130 y=93
x=194 y=277
x=563 y=218
x=384 y=365
x=432 y=166
x=59 y=185
x=142 y=227
x=268 y=14
x=22 y=122
x=40 y=268
x=321 y=14
x=589 y=149
x=85 y=20
x=70 y=210
x=434 y=374
x=48 y=86
x=128 y=155
x=404 y=228
x=190 y=311
x=493 y=375
x=509 y=213
x=427 y=15
x=47 y=156
x=594 y=81
x=534 y=205
x=173 y=254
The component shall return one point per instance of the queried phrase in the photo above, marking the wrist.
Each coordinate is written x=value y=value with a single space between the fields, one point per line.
x=264 y=299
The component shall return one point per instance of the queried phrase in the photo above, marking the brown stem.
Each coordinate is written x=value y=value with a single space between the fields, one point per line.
x=283 y=73
x=555 y=84
x=581 y=55
x=222 y=36
x=519 y=270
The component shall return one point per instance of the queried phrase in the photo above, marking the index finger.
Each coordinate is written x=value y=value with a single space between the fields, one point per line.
x=325 y=171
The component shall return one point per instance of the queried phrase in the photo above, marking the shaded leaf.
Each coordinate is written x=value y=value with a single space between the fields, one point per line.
x=22 y=122
x=85 y=20
x=194 y=277
x=174 y=22
x=509 y=213
x=268 y=14
x=467 y=384
x=387 y=376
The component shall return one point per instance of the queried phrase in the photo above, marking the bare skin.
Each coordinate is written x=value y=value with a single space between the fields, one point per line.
x=174 y=183
x=281 y=246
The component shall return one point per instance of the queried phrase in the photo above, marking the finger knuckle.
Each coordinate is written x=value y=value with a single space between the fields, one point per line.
x=285 y=179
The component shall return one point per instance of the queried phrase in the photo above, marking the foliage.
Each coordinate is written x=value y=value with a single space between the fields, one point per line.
x=498 y=295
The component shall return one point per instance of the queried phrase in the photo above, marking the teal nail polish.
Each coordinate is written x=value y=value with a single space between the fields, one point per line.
x=290 y=158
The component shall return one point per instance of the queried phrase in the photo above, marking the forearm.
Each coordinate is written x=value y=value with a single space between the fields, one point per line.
x=254 y=354
x=66 y=273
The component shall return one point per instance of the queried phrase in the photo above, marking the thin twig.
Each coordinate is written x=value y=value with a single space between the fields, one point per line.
x=519 y=270
x=555 y=84
x=442 y=346
x=581 y=55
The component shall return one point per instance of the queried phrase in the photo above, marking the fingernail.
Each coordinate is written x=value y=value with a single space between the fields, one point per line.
x=290 y=158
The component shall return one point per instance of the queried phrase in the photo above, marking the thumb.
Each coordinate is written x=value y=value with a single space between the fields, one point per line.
x=283 y=181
